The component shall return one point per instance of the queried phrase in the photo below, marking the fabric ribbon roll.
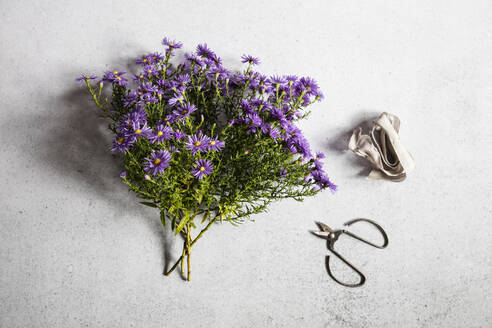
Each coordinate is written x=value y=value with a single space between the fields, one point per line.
x=383 y=149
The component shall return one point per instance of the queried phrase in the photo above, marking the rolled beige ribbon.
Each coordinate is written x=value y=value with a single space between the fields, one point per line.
x=383 y=149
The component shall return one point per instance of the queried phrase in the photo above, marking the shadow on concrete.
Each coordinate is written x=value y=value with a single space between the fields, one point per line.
x=339 y=143
x=76 y=144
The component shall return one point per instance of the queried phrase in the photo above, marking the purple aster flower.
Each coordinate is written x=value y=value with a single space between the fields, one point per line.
x=322 y=180
x=212 y=61
x=183 y=79
x=290 y=78
x=274 y=132
x=277 y=80
x=138 y=77
x=265 y=128
x=215 y=144
x=204 y=51
x=277 y=113
x=144 y=60
x=123 y=174
x=148 y=87
x=292 y=148
x=185 y=110
x=178 y=98
x=115 y=77
x=122 y=143
x=260 y=104
x=317 y=163
x=192 y=58
x=84 y=78
x=130 y=98
x=128 y=120
x=245 y=105
x=250 y=59
x=161 y=133
x=171 y=84
x=171 y=44
x=196 y=143
x=150 y=71
x=298 y=143
x=168 y=119
x=139 y=130
x=180 y=88
x=139 y=114
x=178 y=135
x=217 y=73
x=306 y=100
x=255 y=120
x=309 y=86
x=290 y=128
x=157 y=162
x=303 y=145
x=162 y=83
x=156 y=57
x=148 y=98
x=202 y=168
x=309 y=83
x=173 y=149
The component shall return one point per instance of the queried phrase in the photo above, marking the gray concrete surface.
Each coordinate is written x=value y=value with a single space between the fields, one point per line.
x=78 y=251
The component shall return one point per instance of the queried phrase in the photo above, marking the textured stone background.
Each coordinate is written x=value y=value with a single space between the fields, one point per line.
x=76 y=250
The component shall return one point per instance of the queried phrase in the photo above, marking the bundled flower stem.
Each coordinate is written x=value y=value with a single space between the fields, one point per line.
x=202 y=143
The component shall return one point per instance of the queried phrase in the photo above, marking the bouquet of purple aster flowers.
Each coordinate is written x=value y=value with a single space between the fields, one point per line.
x=203 y=144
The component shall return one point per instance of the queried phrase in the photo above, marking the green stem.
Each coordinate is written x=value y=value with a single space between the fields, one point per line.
x=182 y=257
x=191 y=245
x=188 y=240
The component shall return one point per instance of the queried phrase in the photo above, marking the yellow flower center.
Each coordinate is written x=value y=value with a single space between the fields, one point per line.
x=120 y=140
x=118 y=78
x=140 y=93
x=212 y=143
x=154 y=57
x=144 y=60
x=198 y=143
x=166 y=119
x=138 y=131
x=157 y=161
x=171 y=44
x=115 y=72
x=159 y=133
x=184 y=111
x=202 y=168
x=140 y=76
x=86 y=76
x=149 y=71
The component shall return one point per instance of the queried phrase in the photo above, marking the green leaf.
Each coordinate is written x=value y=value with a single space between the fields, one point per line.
x=180 y=225
x=163 y=218
x=149 y=204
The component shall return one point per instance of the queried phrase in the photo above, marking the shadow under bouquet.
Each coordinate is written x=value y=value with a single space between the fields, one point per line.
x=203 y=144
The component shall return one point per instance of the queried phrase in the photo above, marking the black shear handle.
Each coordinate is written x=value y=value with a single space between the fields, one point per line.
x=362 y=279
x=377 y=226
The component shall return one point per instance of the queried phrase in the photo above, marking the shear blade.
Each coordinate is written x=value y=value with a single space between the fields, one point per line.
x=324 y=227
x=322 y=234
